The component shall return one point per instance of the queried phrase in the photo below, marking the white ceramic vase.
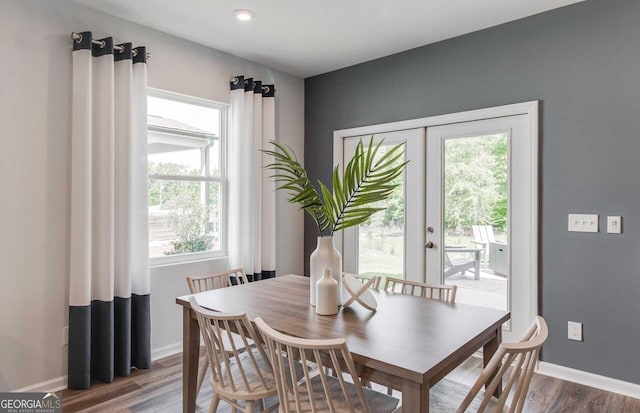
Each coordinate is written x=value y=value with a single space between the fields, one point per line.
x=326 y=294
x=325 y=256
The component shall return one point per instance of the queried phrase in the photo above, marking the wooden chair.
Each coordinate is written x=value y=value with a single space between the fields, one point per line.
x=212 y=282
x=365 y=278
x=446 y=293
x=320 y=393
x=218 y=280
x=482 y=236
x=515 y=363
x=457 y=265
x=247 y=376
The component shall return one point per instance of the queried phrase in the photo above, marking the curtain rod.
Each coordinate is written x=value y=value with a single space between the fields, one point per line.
x=235 y=80
x=77 y=37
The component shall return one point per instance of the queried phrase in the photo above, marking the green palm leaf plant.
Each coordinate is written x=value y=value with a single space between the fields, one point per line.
x=368 y=178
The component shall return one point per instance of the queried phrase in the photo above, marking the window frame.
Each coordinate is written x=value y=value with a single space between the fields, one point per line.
x=222 y=179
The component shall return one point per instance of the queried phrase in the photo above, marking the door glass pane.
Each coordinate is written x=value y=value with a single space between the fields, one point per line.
x=381 y=239
x=475 y=219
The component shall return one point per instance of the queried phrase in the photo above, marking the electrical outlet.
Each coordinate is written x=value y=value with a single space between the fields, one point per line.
x=614 y=225
x=574 y=331
x=65 y=336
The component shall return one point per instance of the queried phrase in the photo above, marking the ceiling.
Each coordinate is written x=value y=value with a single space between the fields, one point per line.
x=306 y=37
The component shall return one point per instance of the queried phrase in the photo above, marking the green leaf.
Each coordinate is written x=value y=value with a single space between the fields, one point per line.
x=367 y=179
x=292 y=177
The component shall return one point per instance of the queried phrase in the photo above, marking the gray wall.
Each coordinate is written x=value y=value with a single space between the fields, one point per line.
x=35 y=100
x=583 y=63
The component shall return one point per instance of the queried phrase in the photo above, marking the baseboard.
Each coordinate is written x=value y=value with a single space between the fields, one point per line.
x=166 y=351
x=60 y=383
x=589 y=379
x=51 y=385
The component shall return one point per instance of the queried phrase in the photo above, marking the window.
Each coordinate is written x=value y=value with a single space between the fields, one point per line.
x=187 y=177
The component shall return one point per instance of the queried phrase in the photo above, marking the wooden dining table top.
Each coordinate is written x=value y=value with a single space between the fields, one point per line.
x=410 y=336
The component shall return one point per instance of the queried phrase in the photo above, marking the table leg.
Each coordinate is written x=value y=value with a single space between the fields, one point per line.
x=415 y=397
x=487 y=352
x=190 y=355
x=477 y=265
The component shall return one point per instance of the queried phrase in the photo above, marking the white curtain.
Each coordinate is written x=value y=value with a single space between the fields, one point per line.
x=251 y=192
x=109 y=320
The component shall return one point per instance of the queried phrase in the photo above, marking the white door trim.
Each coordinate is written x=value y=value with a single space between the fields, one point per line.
x=530 y=109
x=525 y=108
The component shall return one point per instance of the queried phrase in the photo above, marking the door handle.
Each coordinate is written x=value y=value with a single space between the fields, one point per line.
x=429 y=244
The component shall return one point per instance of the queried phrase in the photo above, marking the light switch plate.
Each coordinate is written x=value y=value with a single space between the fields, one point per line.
x=583 y=222
x=614 y=225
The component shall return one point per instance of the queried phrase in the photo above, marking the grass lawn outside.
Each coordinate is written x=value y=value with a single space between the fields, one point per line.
x=383 y=255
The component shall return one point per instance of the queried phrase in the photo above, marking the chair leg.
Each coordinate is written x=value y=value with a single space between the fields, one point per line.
x=249 y=406
x=389 y=391
x=202 y=374
x=215 y=400
x=365 y=383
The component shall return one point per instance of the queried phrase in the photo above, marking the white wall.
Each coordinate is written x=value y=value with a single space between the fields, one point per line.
x=35 y=99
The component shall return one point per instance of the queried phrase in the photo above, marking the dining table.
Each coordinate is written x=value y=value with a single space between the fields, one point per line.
x=408 y=343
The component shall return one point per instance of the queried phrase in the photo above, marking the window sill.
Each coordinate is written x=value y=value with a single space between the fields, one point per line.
x=162 y=262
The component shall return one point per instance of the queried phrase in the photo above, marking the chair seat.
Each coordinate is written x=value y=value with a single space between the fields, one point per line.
x=456 y=265
x=447 y=395
x=237 y=341
x=378 y=402
x=461 y=261
x=255 y=389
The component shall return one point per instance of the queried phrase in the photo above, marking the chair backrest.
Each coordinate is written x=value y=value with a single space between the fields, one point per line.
x=364 y=279
x=332 y=353
x=483 y=234
x=521 y=358
x=445 y=293
x=447 y=261
x=214 y=281
x=250 y=373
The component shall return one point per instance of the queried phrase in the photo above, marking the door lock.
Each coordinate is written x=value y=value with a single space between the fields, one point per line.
x=430 y=230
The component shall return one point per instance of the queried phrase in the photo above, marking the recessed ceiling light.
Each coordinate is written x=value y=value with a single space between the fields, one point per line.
x=244 y=14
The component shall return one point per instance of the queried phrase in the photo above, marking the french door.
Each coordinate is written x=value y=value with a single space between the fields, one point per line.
x=478 y=211
x=465 y=212
x=391 y=243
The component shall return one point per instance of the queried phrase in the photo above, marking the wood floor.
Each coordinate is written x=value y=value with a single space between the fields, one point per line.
x=159 y=390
